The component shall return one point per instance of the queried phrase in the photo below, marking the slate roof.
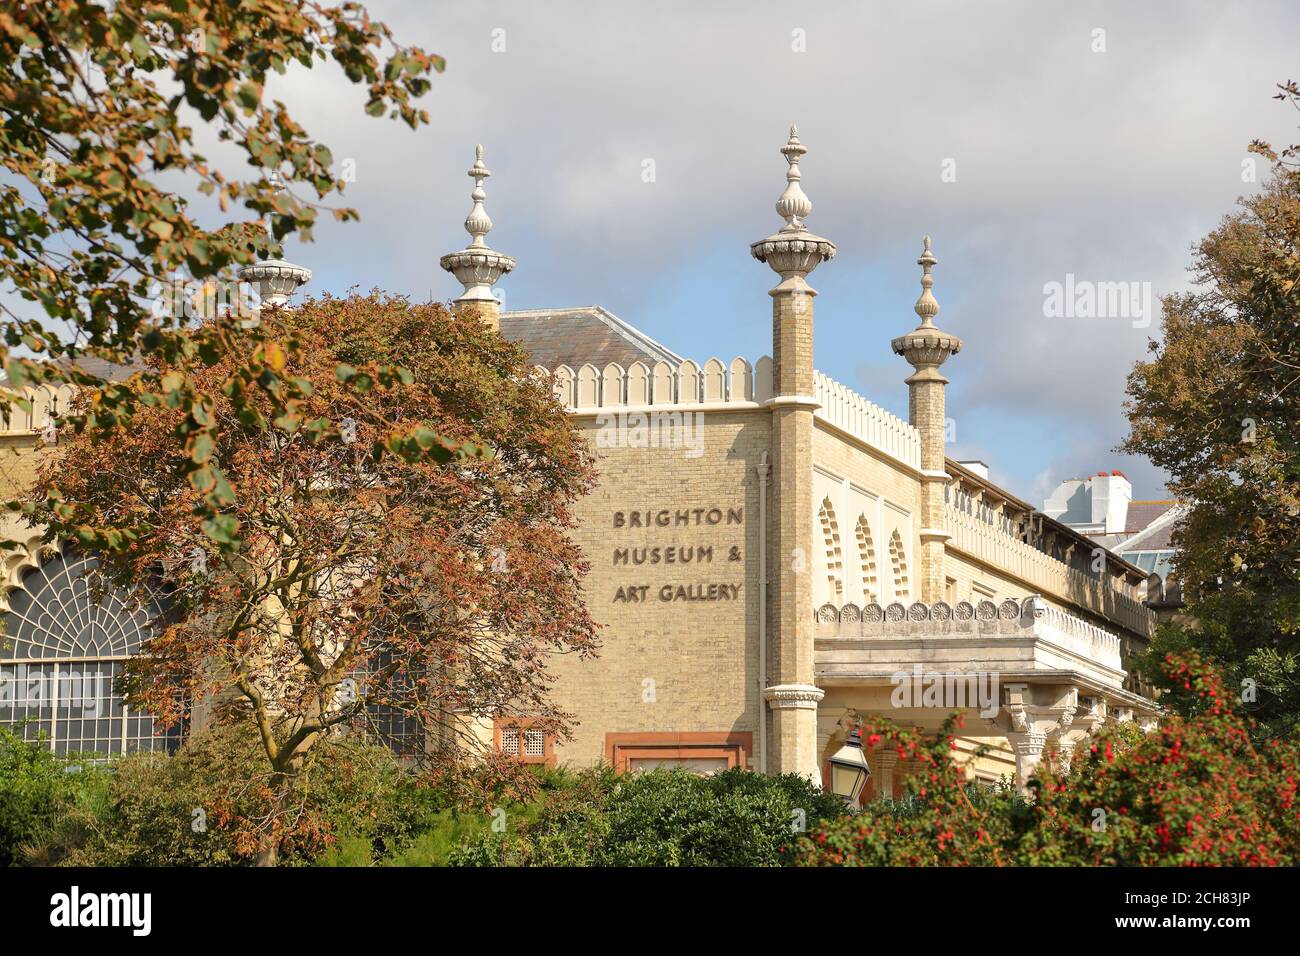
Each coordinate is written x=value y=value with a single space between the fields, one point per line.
x=1154 y=527
x=574 y=337
x=1142 y=513
x=108 y=371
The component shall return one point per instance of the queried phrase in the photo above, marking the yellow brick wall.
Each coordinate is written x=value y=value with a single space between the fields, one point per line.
x=669 y=666
x=18 y=460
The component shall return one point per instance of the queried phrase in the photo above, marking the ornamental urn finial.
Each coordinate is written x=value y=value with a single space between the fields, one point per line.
x=274 y=279
x=927 y=346
x=793 y=252
x=477 y=266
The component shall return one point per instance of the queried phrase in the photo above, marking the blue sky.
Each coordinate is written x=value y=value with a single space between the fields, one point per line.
x=1104 y=163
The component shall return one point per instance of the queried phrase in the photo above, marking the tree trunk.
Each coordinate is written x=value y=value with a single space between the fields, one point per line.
x=268 y=851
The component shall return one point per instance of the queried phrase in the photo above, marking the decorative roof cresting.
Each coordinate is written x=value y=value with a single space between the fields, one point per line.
x=793 y=252
x=477 y=267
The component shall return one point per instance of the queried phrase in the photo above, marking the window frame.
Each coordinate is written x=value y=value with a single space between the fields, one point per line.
x=523 y=725
x=735 y=747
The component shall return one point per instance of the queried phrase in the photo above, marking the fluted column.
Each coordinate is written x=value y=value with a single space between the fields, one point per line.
x=792 y=253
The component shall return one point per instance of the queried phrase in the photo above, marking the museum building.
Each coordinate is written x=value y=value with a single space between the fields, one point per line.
x=772 y=556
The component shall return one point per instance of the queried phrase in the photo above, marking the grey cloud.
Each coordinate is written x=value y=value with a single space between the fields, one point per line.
x=1106 y=165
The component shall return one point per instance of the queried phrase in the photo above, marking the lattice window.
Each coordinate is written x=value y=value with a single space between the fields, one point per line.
x=389 y=717
x=534 y=743
x=899 y=561
x=867 y=557
x=67 y=634
x=530 y=744
x=834 y=555
x=510 y=740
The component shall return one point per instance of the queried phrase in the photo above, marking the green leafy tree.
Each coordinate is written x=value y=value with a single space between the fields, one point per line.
x=1218 y=406
x=36 y=791
x=99 y=104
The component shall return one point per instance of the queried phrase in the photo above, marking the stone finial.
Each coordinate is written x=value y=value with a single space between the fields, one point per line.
x=793 y=205
x=926 y=346
x=927 y=307
x=275 y=279
x=793 y=252
x=477 y=267
x=477 y=223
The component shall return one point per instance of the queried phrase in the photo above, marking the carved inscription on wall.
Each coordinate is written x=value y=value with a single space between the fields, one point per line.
x=685 y=540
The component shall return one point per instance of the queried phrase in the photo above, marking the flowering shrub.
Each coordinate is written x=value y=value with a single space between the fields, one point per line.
x=1197 y=792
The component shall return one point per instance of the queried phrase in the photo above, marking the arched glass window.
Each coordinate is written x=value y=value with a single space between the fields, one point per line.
x=67 y=634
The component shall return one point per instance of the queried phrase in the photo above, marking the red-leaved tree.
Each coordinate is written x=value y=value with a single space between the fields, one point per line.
x=414 y=598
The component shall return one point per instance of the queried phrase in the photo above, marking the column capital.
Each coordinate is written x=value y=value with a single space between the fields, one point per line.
x=793 y=696
x=793 y=252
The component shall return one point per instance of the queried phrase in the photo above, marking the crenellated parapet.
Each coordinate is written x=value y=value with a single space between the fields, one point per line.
x=852 y=414
x=663 y=384
x=47 y=402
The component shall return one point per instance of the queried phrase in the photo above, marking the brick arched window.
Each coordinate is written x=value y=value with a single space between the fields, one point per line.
x=834 y=555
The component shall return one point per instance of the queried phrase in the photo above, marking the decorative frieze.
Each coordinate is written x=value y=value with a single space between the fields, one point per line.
x=1029 y=616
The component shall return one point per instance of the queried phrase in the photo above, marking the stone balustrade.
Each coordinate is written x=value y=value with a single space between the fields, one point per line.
x=1097 y=592
x=982 y=625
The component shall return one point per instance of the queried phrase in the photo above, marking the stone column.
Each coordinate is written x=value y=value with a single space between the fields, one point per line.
x=1037 y=712
x=792 y=253
x=926 y=348
x=478 y=267
x=886 y=761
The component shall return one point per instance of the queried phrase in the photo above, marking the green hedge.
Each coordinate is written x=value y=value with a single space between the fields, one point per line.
x=662 y=818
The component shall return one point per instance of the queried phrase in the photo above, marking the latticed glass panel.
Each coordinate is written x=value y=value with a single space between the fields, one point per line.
x=397 y=728
x=510 y=740
x=534 y=743
x=65 y=609
x=67 y=635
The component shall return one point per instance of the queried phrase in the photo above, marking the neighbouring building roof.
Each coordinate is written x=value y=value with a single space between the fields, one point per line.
x=1154 y=532
x=575 y=337
x=108 y=371
x=98 y=367
x=1141 y=515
